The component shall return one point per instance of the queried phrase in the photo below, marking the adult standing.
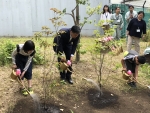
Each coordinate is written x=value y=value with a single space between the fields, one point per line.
x=130 y=15
x=66 y=44
x=117 y=21
x=105 y=17
x=135 y=29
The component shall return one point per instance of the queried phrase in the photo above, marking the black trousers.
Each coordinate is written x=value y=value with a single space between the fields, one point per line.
x=130 y=65
x=67 y=51
x=21 y=61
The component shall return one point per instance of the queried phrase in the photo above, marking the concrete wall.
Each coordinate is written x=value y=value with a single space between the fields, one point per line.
x=25 y=17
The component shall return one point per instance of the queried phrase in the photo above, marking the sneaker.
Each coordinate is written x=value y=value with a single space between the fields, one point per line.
x=30 y=90
x=24 y=92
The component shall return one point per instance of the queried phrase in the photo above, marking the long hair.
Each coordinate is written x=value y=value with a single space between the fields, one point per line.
x=104 y=9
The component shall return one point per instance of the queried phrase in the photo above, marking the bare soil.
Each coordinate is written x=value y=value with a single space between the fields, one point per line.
x=82 y=96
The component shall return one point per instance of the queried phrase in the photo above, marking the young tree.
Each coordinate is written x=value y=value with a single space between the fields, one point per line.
x=76 y=17
x=44 y=44
x=104 y=45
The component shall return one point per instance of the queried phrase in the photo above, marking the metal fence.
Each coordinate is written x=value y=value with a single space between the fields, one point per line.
x=124 y=9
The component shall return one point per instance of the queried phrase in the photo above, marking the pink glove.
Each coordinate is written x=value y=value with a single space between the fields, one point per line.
x=69 y=63
x=129 y=72
x=18 y=71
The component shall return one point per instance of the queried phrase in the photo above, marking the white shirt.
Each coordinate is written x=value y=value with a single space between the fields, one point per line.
x=127 y=16
x=106 y=17
x=70 y=38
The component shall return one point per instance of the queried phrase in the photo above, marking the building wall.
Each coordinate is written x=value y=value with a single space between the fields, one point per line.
x=25 y=17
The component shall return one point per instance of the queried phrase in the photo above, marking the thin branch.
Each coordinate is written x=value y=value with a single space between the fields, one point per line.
x=75 y=8
x=72 y=16
x=69 y=14
x=87 y=18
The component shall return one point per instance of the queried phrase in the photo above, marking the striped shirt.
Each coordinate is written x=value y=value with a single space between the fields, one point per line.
x=14 y=53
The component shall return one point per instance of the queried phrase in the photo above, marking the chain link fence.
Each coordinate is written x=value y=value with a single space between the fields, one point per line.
x=124 y=10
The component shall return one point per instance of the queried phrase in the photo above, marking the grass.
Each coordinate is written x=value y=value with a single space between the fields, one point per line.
x=86 y=45
x=111 y=76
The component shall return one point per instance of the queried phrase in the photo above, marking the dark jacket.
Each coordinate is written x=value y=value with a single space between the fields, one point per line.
x=64 y=44
x=134 y=25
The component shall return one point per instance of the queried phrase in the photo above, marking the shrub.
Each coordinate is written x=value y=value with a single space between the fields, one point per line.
x=5 y=52
x=38 y=58
x=147 y=37
x=7 y=47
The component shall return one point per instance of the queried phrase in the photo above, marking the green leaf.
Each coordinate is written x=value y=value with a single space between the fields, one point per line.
x=64 y=10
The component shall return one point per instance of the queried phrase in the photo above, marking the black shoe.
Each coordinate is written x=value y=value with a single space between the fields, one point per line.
x=134 y=84
x=70 y=81
x=130 y=84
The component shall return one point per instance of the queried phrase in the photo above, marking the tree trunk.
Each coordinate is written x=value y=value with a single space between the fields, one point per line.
x=77 y=23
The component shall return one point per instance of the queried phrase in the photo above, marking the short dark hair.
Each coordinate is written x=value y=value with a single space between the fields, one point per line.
x=28 y=46
x=117 y=8
x=131 y=6
x=141 y=59
x=142 y=13
x=76 y=29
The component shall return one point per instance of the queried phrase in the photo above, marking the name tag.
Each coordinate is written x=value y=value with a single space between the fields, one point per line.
x=138 y=30
x=118 y=20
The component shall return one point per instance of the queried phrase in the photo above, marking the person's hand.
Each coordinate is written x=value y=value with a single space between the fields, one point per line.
x=22 y=74
x=14 y=66
x=71 y=59
x=131 y=16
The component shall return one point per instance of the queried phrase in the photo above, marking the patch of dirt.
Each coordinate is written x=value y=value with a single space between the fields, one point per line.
x=27 y=105
x=82 y=97
x=90 y=102
x=102 y=100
